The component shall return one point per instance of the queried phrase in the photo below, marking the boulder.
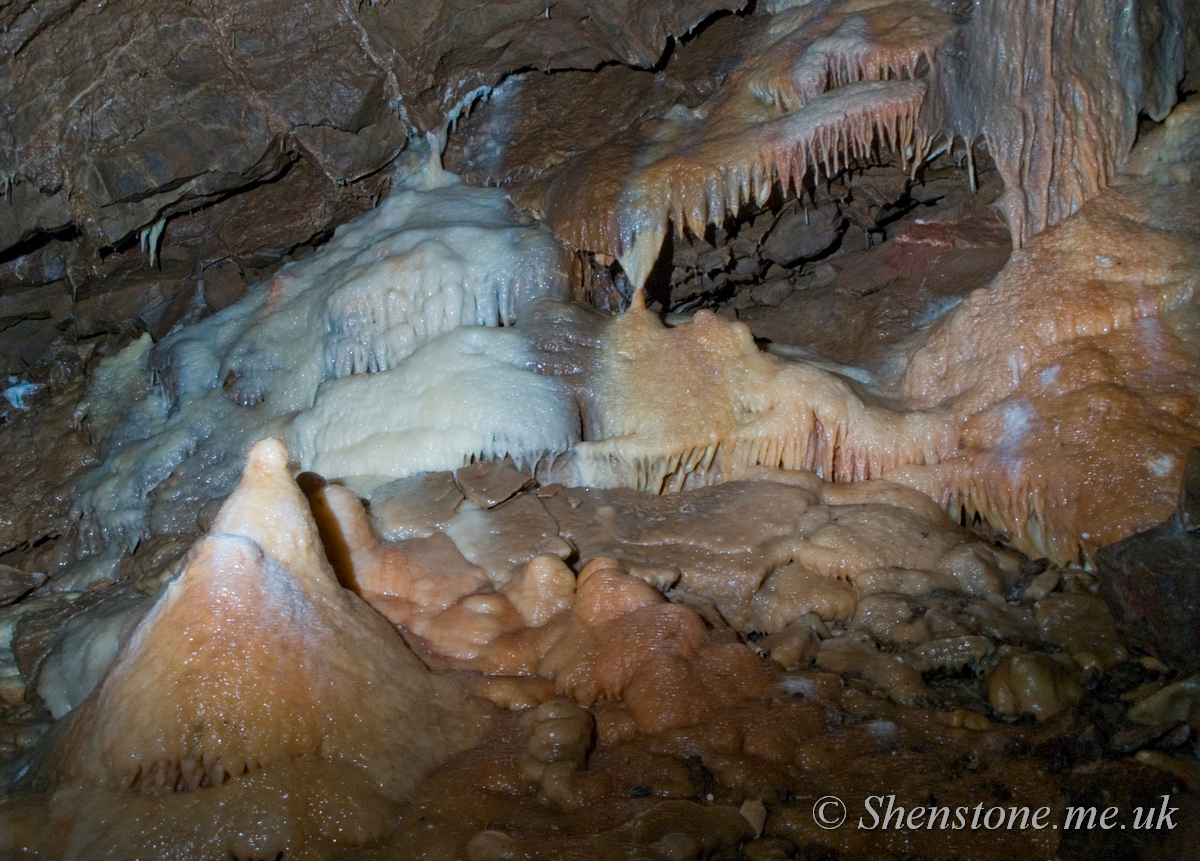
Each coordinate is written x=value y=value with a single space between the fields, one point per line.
x=1152 y=580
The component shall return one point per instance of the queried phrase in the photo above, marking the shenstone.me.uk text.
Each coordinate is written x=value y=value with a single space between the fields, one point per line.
x=883 y=812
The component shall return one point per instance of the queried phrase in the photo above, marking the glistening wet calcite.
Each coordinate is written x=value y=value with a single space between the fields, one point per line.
x=255 y=671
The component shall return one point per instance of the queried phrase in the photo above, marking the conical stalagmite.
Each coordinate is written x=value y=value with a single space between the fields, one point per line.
x=257 y=673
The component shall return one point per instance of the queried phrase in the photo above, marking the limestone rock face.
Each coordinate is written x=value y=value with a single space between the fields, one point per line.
x=116 y=114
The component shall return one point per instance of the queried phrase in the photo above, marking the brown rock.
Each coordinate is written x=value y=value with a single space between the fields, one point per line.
x=1152 y=580
x=14 y=583
x=534 y=126
x=800 y=233
x=487 y=484
x=710 y=826
x=138 y=294
x=120 y=113
x=39 y=454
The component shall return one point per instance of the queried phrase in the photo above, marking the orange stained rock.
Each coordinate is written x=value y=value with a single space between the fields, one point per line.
x=1088 y=449
x=1057 y=403
x=812 y=48
x=588 y=635
x=668 y=691
x=444 y=604
x=255 y=658
x=763 y=553
x=543 y=589
x=1131 y=254
x=607 y=592
x=428 y=577
x=626 y=642
x=1067 y=439
x=617 y=626
x=594 y=636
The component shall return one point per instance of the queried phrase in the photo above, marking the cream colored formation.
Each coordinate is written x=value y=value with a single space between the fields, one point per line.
x=433 y=257
x=993 y=412
x=1075 y=362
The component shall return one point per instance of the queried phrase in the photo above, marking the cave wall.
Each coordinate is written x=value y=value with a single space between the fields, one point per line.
x=119 y=113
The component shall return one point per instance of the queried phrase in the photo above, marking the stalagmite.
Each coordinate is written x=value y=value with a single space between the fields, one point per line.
x=254 y=674
x=558 y=582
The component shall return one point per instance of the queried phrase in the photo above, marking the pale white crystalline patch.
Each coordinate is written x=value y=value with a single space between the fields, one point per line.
x=431 y=257
x=118 y=383
x=470 y=393
x=447 y=257
x=1162 y=465
x=84 y=650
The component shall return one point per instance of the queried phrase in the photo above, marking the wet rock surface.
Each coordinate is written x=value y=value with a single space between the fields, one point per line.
x=119 y=115
x=42 y=451
x=1152 y=580
x=915 y=684
x=15 y=583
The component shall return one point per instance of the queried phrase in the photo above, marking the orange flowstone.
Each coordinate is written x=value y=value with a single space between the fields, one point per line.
x=604 y=634
x=817 y=91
